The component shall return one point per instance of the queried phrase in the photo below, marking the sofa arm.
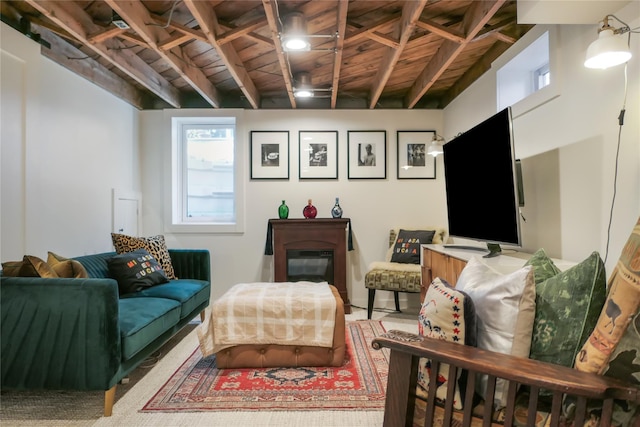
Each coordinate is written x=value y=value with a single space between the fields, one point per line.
x=407 y=349
x=59 y=333
x=191 y=263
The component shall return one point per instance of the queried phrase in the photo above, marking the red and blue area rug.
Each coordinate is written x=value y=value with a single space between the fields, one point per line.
x=359 y=384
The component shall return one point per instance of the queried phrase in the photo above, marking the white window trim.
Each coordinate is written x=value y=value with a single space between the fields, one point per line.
x=547 y=93
x=170 y=172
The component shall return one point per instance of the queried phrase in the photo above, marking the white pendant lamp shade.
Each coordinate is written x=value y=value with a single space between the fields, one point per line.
x=608 y=50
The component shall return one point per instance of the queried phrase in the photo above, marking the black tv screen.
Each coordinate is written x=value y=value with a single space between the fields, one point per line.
x=481 y=186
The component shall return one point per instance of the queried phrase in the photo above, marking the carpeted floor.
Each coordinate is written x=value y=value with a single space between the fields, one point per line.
x=63 y=409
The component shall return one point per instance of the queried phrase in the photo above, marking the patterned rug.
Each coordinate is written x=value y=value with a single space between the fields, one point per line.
x=359 y=384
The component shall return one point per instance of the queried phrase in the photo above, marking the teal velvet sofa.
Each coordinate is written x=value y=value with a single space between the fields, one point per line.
x=80 y=334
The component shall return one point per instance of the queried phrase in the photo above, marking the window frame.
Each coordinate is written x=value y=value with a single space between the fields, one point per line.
x=175 y=185
x=544 y=94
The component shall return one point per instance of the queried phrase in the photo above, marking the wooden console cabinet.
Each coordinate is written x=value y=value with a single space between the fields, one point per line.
x=310 y=234
x=439 y=264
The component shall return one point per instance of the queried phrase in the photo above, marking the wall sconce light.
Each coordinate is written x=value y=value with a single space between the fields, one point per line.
x=435 y=148
x=609 y=49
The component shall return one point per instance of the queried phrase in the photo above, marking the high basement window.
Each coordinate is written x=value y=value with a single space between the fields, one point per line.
x=528 y=76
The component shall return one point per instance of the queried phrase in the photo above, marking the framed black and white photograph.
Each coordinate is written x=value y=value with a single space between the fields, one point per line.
x=269 y=154
x=413 y=161
x=366 y=154
x=318 y=154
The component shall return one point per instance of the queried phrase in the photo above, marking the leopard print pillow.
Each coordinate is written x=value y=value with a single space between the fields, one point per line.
x=155 y=245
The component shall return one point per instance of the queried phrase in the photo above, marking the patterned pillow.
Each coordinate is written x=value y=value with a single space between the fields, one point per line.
x=505 y=306
x=155 y=245
x=407 y=247
x=65 y=267
x=567 y=308
x=447 y=314
x=543 y=266
x=135 y=270
x=614 y=345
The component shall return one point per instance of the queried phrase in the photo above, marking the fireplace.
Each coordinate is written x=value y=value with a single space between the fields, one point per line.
x=310 y=265
x=314 y=250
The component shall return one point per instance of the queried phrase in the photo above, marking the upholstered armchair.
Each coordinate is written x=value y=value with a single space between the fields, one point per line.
x=400 y=271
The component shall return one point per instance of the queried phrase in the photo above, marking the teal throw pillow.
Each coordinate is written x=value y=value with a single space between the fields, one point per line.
x=567 y=308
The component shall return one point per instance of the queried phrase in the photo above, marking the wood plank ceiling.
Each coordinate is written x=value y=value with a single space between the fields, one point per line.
x=228 y=54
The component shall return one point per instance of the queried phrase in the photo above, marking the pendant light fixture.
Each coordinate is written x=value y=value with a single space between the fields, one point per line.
x=294 y=33
x=303 y=88
x=610 y=49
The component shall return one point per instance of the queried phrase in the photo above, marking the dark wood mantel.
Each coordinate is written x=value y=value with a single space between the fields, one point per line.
x=318 y=233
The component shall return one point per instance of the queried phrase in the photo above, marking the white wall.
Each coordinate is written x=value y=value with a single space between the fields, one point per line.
x=69 y=144
x=374 y=206
x=581 y=127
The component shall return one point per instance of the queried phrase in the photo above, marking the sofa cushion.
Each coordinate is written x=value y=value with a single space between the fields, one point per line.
x=190 y=293
x=505 y=306
x=543 y=266
x=33 y=266
x=567 y=309
x=96 y=264
x=155 y=245
x=447 y=314
x=11 y=268
x=407 y=246
x=142 y=320
x=65 y=267
x=613 y=348
x=135 y=271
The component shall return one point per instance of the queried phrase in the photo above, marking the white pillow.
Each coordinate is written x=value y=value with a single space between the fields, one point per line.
x=505 y=307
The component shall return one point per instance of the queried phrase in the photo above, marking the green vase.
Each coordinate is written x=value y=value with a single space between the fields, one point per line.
x=283 y=211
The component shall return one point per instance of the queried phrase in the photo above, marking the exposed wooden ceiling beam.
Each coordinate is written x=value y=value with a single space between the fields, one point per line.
x=107 y=33
x=73 y=19
x=270 y=9
x=138 y=17
x=242 y=30
x=473 y=73
x=343 y=7
x=410 y=14
x=441 y=31
x=384 y=39
x=206 y=18
x=68 y=56
x=478 y=14
x=363 y=32
x=176 y=39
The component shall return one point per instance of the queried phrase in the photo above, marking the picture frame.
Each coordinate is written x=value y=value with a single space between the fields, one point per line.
x=413 y=160
x=269 y=154
x=318 y=154
x=366 y=154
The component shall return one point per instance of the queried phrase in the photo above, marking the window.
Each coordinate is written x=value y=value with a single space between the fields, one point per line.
x=206 y=187
x=541 y=77
x=527 y=75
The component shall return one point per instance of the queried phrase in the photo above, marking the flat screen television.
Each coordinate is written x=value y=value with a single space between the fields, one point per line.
x=481 y=185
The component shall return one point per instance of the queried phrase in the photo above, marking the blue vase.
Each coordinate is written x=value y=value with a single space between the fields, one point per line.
x=336 y=211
